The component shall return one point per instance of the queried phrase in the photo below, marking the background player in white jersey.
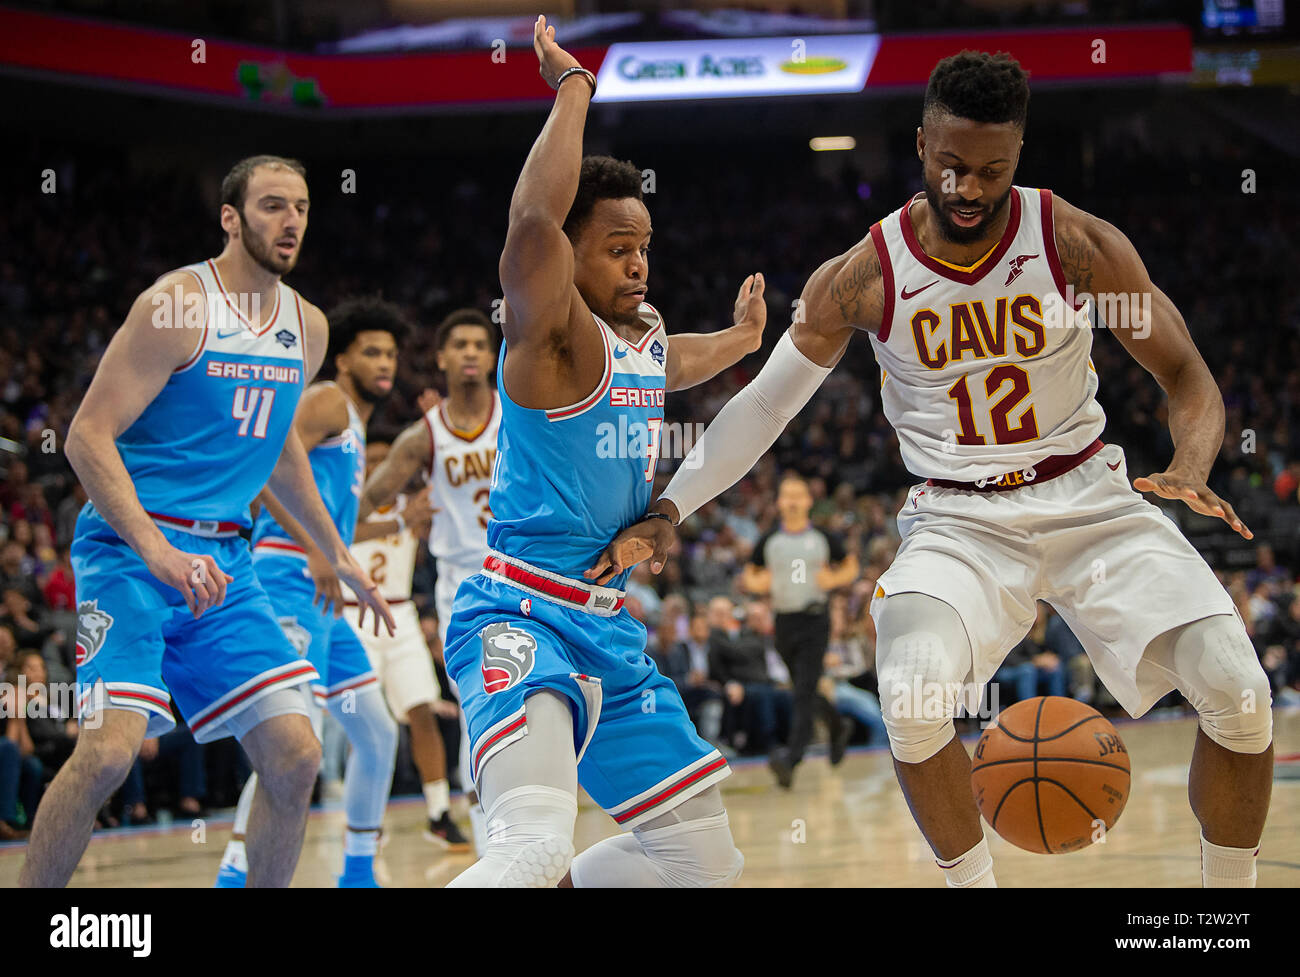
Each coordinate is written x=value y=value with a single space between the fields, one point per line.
x=331 y=423
x=386 y=544
x=967 y=295
x=455 y=445
x=188 y=416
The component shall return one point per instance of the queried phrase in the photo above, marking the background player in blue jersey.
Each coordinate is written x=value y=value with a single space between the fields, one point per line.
x=365 y=334
x=188 y=416
x=554 y=680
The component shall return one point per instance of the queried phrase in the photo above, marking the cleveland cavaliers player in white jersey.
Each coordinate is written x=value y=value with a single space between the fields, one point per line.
x=454 y=444
x=967 y=295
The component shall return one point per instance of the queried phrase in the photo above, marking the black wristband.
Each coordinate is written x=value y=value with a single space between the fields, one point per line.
x=576 y=70
x=659 y=515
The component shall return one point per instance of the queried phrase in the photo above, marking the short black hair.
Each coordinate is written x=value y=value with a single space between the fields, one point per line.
x=979 y=86
x=463 y=317
x=601 y=178
x=234 y=186
x=364 y=313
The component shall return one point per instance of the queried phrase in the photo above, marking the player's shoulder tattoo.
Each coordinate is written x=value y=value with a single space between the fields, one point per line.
x=855 y=286
x=1077 y=246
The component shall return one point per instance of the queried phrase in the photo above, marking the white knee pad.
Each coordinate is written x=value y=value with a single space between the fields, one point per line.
x=530 y=840
x=922 y=660
x=1220 y=674
x=695 y=854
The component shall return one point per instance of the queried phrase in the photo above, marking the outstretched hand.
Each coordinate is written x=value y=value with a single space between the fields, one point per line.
x=751 y=310
x=554 y=60
x=1173 y=484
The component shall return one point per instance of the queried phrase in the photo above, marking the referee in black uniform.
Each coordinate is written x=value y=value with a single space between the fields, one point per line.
x=799 y=565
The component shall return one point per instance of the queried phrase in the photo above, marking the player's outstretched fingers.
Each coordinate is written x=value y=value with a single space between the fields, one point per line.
x=203 y=581
x=1156 y=484
x=1229 y=515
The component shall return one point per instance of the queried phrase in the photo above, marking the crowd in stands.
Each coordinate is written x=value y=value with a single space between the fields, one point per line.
x=86 y=251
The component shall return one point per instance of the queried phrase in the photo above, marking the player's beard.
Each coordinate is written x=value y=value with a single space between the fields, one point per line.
x=954 y=233
x=263 y=253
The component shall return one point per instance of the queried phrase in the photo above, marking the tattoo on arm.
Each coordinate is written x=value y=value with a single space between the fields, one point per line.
x=853 y=290
x=1078 y=255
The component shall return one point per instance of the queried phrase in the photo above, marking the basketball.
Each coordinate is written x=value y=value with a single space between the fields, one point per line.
x=1051 y=775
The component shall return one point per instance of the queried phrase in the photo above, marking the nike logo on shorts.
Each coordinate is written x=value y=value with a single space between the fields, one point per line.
x=1114 y=467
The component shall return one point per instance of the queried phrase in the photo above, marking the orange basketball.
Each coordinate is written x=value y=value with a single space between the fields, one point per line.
x=1049 y=773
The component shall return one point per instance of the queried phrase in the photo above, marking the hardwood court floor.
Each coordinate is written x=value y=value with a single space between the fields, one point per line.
x=842 y=827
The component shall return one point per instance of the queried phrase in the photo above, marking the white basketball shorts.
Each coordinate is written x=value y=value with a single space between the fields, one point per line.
x=1113 y=565
x=401 y=661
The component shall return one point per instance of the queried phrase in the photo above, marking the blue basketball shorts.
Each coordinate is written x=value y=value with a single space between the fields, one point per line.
x=517 y=630
x=329 y=643
x=138 y=645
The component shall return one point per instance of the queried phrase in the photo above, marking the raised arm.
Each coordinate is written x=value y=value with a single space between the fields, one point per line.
x=1098 y=260
x=536 y=265
x=139 y=360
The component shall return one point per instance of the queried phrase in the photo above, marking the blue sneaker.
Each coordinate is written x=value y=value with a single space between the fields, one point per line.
x=358 y=872
x=229 y=877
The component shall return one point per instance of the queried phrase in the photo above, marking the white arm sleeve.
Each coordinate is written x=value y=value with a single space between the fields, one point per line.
x=746 y=427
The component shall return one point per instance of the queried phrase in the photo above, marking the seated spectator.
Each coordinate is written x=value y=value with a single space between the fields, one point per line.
x=1266 y=570
x=756 y=707
x=21 y=773
x=1030 y=663
x=850 y=680
x=703 y=697
x=59 y=590
x=50 y=722
x=18 y=613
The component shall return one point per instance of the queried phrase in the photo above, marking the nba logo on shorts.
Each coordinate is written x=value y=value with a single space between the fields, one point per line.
x=508 y=656
x=92 y=627
x=526 y=606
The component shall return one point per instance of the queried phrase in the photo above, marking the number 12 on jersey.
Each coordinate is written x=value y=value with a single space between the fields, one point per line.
x=999 y=410
x=250 y=401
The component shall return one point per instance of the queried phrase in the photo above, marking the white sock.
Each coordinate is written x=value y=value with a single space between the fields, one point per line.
x=437 y=795
x=360 y=842
x=235 y=856
x=1227 y=868
x=973 y=870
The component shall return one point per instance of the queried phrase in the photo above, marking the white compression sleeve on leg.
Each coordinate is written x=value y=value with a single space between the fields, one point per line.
x=372 y=731
x=746 y=427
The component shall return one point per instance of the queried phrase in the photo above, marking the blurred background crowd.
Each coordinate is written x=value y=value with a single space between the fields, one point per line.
x=426 y=230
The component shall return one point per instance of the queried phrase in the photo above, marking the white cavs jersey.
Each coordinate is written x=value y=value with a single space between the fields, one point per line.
x=460 y=478
x=984 y=370
x=390 y=560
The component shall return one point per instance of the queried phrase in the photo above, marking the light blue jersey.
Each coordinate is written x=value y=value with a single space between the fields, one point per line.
x=205 y=446
x=568 y=480
x=338 y=466
x=198 y=454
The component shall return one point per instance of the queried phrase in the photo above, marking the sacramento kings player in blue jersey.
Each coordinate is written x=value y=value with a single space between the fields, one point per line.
x=554 y=681
x=365 y=334
x=188 y=416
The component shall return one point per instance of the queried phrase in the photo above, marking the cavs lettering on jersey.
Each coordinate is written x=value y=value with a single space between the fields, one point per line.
x=206 y=444
x=338 y=466
x=567 y=480
x=460 y=479
x=978 y=377
x=390 y=560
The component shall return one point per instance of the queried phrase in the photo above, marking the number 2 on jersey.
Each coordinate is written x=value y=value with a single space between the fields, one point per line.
x=1003 y=433
x=247 y=402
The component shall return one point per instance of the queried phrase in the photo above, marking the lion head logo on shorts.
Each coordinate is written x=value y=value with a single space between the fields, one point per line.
x=92 y=626
x=508 y=656
x=298 y=636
